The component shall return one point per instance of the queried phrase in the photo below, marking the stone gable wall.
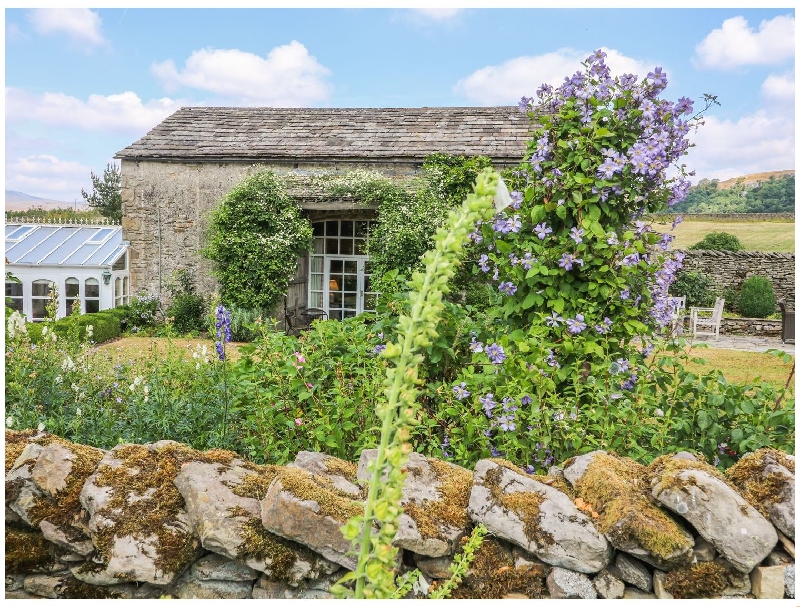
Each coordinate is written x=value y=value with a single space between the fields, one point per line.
x=164 y=520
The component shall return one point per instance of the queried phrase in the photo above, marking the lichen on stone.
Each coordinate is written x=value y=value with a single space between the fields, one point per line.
x=143 y=489
x=332 y=501
x=450 y=510
x=255 y=484
x=524 y=504
x=759 y=489
x=27 y=550
x=492 y=575
x=343 y=468
x=617 y=489
x=697 y=581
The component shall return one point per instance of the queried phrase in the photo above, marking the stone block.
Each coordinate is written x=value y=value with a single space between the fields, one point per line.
x=768 y=582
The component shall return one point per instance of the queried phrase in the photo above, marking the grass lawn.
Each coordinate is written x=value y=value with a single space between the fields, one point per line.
x=738 y=367
x=754 y=235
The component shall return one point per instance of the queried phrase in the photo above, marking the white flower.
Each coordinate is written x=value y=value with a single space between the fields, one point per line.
x=659 y=413
x=89 y=331
x=78 y=412
x=9 y=421
x=44 y=330
x=40 y=427
x=146 y=389
x=59 y=379
x=68 y=364
x=16 y=324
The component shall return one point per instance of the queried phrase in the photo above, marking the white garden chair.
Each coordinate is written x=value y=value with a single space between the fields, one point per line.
x=678 y=314
x=706 y=321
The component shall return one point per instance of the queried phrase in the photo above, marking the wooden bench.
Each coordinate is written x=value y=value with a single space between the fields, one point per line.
x=706 y=321
x=787 y=323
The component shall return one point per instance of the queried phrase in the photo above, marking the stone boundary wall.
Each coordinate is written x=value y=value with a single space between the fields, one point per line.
x=725 y=216
x=164 y=520
x=750 y=326
x=732 y=268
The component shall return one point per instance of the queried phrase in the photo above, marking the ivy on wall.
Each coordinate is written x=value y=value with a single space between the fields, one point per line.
x=255 y=237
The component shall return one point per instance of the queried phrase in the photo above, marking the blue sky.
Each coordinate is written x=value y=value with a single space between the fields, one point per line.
x=82 y=84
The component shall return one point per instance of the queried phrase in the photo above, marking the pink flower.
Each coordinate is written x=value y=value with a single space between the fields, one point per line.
x=300 y=357
x=309 y=386
x=298 y=421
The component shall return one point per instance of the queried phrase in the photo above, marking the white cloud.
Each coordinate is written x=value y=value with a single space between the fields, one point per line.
x=437 y=14
x=763 y=141
x=288 y=77
x=505 y=84
x=80 y=24
x=779 y=88
x=736 y=44
x=46 y=176
x=120 y=113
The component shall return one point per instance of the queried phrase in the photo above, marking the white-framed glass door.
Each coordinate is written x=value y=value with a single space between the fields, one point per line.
x=347 y=287
x=339 y=269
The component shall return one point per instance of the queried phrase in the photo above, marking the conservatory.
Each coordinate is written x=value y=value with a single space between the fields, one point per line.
x=74 y=264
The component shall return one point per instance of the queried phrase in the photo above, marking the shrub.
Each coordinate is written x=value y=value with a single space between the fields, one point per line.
x=244 y=323
x=718 y=241
x=105 y=326
x=696 y=286
x=187 y=308
x=731 y=297
x=757 y=298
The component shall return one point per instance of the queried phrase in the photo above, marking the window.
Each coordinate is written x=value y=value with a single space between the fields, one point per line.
x=14 y=295
x=19 y=233
x=72 y=288
x=91 y=295
x=118 y=297
x=126 y=291
x=101 y=235
x=41 y=291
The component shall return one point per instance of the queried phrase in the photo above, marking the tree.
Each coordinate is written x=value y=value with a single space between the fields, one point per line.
x=106 y=194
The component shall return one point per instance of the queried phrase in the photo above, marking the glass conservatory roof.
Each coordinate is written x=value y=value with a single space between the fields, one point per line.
x=63 y=245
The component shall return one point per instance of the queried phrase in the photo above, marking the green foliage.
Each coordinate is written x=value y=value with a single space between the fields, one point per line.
x=696 y=287
x=718 y=241
x=64 y=215
x=255 y=237
x=773 y=195
x=106 y=194
x=757 y=298
x=188 y=307
x=461 y=563
x=245 y=323
x=105 y=326
x=406 y=222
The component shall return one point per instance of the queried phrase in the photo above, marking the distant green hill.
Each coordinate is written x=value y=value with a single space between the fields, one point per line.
x=761 y=193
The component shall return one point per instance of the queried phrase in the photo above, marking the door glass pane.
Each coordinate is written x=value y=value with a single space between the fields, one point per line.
x=351 y=266
x=350 y=301
x=336 y=300
x=335 y=314
x=335 y=282
x=336 y=265
x=367 y=283
x=369 y=301
x=349 y=313
x=351 y=283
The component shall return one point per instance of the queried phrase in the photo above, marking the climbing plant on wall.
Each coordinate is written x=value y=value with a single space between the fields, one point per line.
x=255 y=237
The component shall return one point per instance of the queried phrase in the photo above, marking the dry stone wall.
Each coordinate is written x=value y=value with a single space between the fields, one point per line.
x=164 y=520
x=729 y=269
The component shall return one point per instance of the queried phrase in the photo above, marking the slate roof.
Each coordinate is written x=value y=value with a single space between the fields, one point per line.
x=63 y=245
x=383 y=134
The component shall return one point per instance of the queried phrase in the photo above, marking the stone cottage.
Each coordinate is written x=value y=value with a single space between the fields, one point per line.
x=178 y=172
